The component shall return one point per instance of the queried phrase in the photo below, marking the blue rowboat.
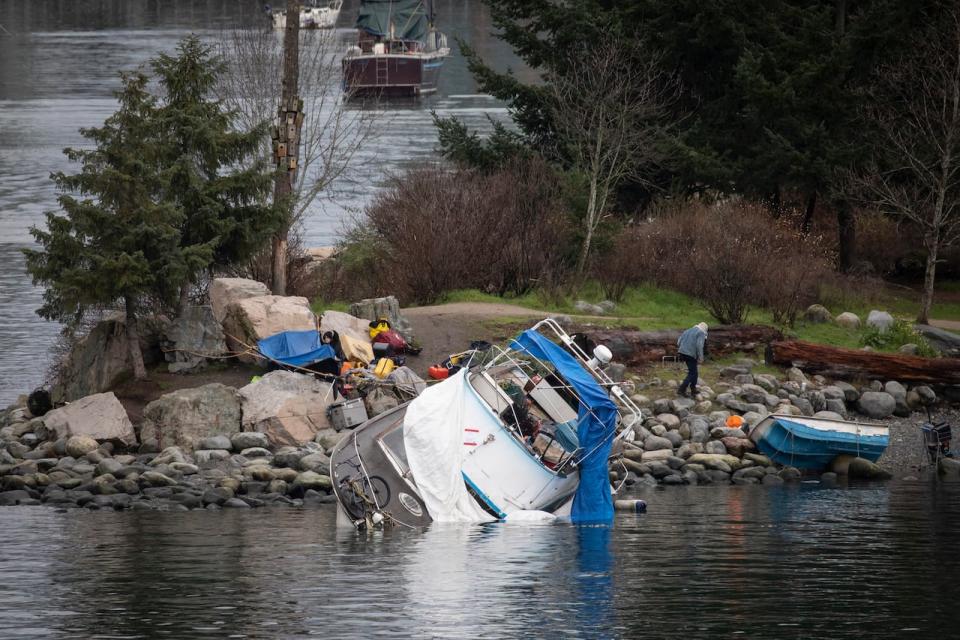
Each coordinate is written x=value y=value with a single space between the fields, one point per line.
x=813 y=443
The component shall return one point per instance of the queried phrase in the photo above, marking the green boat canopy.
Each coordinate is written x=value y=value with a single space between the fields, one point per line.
x=408 y=17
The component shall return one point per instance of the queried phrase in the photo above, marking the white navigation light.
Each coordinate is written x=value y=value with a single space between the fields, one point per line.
x=601 y=356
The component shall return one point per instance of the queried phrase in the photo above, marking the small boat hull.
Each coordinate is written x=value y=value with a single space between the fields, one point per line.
x=401 y=75
x=813 y=443
x=366 y=479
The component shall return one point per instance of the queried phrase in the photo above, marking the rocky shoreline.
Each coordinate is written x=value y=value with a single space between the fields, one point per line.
x=267 y=442
x=686 y=441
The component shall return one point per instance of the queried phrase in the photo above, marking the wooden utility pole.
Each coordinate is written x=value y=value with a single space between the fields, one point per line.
x=286 y=143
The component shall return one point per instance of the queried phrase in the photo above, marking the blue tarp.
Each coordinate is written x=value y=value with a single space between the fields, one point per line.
x=592 y=502
x=297 y=348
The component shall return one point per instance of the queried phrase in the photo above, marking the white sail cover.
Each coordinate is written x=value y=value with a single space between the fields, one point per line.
x=433 y=438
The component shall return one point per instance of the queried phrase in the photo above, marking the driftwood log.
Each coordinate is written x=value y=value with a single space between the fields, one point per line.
x=640 y=347
x=854 y=363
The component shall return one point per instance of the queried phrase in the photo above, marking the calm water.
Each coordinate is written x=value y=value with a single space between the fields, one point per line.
x=799 y=562
x=58 y=68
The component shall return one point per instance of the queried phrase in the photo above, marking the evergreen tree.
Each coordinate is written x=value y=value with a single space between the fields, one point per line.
x=213 y=173
x=116 y=241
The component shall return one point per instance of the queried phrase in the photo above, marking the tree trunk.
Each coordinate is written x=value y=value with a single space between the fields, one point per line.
x=288 y=131
x=808 y=214
x=133 y=340
x=847 y=237
x=184 y=298
x=926 y=300
x=854 y=363
x=588 y=238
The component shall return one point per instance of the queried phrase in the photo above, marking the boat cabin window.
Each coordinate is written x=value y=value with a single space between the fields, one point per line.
x=391 y=441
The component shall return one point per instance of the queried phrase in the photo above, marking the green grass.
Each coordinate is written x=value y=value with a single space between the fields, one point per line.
x=649 y=308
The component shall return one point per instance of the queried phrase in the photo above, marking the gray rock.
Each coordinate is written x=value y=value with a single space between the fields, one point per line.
x=927 y=396
x=186 y=417
x=945 y=342
x=658 y=430
x=585 y=308
x=790 y=474
x=817 y=314
x=877 y=404
x=838 y=407
x=880 y=320
x=108 y=465
x=206 y=456
x=715 y=446
x=256 y=452
x=217 y=496
x=99 y=416
x=850 y=393
x=661 y=406
x=804 y=405
x=829 y=415
x=817 y=400
x=656 y=443
x=235 y=503
x=220 y=441
x=866 y=470
x=316 y=462
x=733 y=371
x=248 y=440
x=195 y=331
x=833 y=392
x=770 y=479
x=675 y=438
x=156 y=479
x=168 y=455
x=895 y=389
x=311 y=480
x=669 y=420
x=718 y=476
x=796 y=375
x=828 y=478
x=848 y=320
x=387 y=307
x=910 y=349
x=289 y=408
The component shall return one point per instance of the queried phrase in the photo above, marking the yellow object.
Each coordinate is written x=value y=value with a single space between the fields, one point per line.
x=734 y=422
x=378 y=327
x=384 y=367
x=254 y=379
x=356 y=350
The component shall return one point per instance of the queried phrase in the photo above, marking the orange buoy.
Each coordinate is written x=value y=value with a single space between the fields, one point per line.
x=438 y=373
x=734 y=422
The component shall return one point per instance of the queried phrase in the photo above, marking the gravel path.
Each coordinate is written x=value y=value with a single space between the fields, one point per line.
x=905 y=455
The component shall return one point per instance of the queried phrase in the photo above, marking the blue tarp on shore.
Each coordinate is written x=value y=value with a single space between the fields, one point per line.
x=297 y=348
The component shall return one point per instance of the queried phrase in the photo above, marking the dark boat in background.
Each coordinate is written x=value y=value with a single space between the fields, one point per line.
x=399 y=52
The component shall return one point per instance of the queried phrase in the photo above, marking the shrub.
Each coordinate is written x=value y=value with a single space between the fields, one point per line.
x=431 y=231
x=901 y=333
x=731 y=255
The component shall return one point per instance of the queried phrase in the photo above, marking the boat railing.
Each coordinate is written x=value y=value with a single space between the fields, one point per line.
x=617 y=394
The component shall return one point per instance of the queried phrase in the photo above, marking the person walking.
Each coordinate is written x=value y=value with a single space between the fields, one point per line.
x=690 y=349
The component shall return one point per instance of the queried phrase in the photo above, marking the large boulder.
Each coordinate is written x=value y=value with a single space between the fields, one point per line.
x=877 y=404
x=946 y=342
x=100 y=416
x=389 y=308
x=195 y=332
x=252 y=319
x=817 y=314
x=226 y=291
x=848 y=320
x=289 y=408
x=186 y=417
x=880 y=320
x=101 y=358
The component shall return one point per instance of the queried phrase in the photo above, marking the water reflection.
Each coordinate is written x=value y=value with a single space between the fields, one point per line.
x=703 y=563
